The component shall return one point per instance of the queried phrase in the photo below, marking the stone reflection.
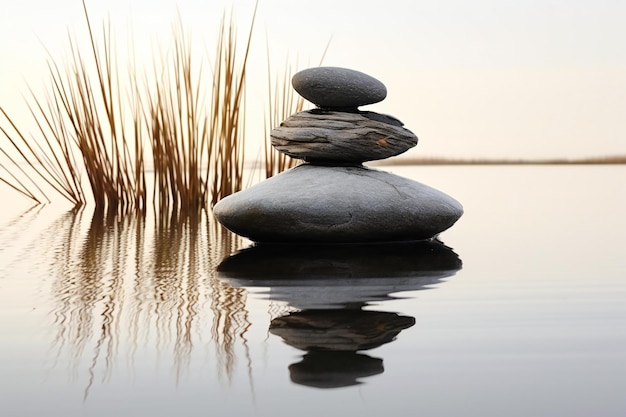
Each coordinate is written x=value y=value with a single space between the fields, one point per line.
x=334 y=369
x=333 y=339
x=329 y=286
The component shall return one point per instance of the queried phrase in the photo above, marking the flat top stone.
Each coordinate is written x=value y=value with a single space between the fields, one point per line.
x=338 y=88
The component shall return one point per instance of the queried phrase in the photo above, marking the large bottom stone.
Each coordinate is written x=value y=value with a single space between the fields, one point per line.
x=311 y=203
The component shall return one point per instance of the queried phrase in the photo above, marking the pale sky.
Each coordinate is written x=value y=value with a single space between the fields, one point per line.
x=484 y=78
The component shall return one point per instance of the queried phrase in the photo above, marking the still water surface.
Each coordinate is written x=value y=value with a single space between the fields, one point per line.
x=520 y=310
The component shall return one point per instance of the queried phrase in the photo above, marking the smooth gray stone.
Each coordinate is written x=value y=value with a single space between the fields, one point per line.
x=311 y=203
x=320 y=135
x=338 y=88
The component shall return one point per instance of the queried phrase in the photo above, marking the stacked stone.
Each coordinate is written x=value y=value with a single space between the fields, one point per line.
x=332 y=197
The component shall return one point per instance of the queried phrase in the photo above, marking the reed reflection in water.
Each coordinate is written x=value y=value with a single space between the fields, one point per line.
x=325 y=290
x=132 y=289
x=143 y=282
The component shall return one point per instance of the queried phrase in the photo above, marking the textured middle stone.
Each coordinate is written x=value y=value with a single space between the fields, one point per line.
x=317 y=135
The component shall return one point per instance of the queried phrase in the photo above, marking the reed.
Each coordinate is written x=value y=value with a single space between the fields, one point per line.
x=96 y=117
x=52 y=161
x=176 y=124
x=282 y=103
x=101 y=125
x=227 y=116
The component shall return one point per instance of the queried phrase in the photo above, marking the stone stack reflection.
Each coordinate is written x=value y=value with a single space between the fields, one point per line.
x=328 y=293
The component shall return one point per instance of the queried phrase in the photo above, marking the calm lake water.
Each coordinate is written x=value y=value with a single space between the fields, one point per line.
x=519 y=311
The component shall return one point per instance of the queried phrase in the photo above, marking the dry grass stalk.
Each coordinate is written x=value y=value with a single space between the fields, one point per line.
x=198 y=155
x=97 y=118
x=89 y=130
x=83 y=114
x=52 y=161
x=227 y=117
x=177 y=129
x=283 y=101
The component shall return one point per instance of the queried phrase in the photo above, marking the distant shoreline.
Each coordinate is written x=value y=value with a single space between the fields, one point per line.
x=604 y=160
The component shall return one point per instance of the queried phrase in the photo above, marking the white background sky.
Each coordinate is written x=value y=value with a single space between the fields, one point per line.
x=484 y=78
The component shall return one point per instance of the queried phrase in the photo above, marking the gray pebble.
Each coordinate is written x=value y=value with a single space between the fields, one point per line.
x=338 y=88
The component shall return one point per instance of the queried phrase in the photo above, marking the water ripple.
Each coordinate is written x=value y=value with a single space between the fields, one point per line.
x=129 y=282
